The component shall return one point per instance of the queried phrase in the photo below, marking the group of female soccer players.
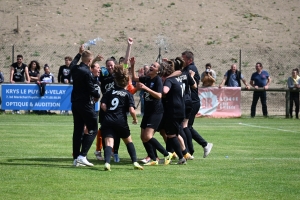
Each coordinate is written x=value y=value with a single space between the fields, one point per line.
x=171 y=103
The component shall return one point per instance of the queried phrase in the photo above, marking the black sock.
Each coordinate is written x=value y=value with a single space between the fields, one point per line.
x=176 y=146
x=131 y=151
x=116 y=144
x=184 y=152
x=149 y=150
x=189 y=140
x=158 y=146
x=107 y=154
x=169 y=147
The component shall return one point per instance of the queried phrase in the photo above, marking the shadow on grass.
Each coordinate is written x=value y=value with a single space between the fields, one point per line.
x=60 y=162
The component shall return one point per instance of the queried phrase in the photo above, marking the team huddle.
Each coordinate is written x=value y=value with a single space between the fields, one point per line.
x=171 y=102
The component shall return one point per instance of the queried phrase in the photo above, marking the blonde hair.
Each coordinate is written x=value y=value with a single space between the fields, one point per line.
x=121 y=76
x=86 y=55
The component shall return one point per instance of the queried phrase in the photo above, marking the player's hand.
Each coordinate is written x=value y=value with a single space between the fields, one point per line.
x=266 y=87
x=81 y=49
x=256 y=87
x=132 y=61
x=130 y=41
x=99 y=58
x=192 y=73
x=140 y=85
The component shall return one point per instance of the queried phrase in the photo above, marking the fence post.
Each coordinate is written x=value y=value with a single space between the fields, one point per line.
x=12 y=53
x=240 y=60
x=287 y=103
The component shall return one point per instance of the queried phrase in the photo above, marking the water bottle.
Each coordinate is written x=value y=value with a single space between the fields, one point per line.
x=92 y=42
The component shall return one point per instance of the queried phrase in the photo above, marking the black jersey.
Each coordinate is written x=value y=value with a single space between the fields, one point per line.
x=83 y=86
x=106 y=82
x=174 y=98
x=33 y=73
x=194 y=92
x=96 y=81
x=64 y=73
x=152 y=105
x=18 y=75
x=118 y=101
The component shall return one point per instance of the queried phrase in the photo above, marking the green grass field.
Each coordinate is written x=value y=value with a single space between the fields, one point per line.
x=251 y=159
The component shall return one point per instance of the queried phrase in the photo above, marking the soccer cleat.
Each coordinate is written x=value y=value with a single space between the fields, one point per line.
x=151 y=163
x=76 y=164
x=145 y=160
x=98 y=155
x=192 y=157
x=107 y=167
x=116 y=158
x=82 y=160
x=137 y=166
x=168 y=158
x=188 y=156
x=207 y=149
x=174 y=156
x=181 y=161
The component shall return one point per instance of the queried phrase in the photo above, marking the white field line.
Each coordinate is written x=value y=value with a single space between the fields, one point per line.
x=266 y=127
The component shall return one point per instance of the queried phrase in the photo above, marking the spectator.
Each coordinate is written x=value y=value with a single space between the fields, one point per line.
x=34 y=71
x=19 y=73
x=208 y=77
x=260 y=79
x=47 y=77
x=233 y=77
x=143 y=72
x=294 y=82
x=64 y=71
x=64 y=76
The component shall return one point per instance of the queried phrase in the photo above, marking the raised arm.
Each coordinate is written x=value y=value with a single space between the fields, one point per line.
x=97 y=58
x=77 y=57
x=134 y=76
x=128 y=50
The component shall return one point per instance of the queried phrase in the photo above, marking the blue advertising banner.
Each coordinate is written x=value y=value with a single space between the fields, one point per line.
x=27 y=97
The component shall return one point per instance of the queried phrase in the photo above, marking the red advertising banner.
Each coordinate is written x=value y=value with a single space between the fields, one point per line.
x=220 y=103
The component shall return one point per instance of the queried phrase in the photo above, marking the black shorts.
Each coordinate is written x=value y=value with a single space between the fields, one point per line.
x=115 y=130
x=151 y=121
x=173 y=126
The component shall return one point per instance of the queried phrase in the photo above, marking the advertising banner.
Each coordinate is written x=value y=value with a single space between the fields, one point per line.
x=27 y=97
x=220 y=103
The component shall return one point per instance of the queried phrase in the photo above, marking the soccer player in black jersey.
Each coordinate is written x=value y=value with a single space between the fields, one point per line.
x=188 y=58
x=107 y=83
x=116 y=103
x=82 y=97
x=152 y=85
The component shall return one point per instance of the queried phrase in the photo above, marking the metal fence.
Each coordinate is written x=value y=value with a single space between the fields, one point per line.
x=279 y=63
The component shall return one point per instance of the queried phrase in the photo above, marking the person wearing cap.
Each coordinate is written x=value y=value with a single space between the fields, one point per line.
x=208 y=77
